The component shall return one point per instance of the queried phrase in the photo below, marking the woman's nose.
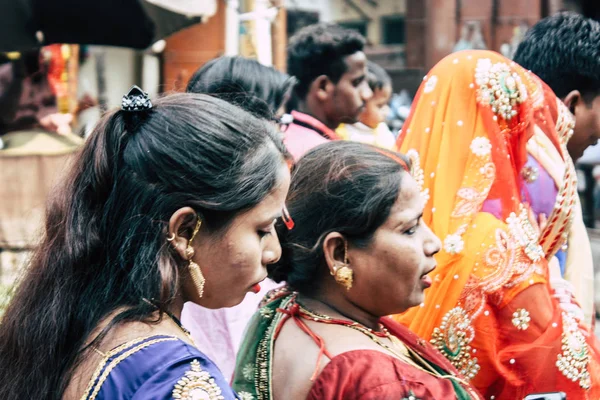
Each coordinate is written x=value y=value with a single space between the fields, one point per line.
x=433 y=244
x=272 y=252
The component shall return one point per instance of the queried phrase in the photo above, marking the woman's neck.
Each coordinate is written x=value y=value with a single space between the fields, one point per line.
x=176 y=307
x=339 y=307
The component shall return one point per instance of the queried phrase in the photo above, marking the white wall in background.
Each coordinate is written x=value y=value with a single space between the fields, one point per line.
x=340 y=11
x=120 y=75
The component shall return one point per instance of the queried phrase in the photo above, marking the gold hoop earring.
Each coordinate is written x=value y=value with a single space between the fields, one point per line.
x=344 y=274
x=194 y=269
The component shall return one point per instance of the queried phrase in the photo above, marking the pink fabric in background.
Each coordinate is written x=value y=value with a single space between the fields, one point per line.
x=218 y=333
x=305 y=133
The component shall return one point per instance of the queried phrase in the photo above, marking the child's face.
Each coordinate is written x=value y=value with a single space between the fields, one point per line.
x=377 y=108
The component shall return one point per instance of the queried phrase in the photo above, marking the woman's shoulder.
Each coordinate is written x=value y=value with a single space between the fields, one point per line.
x=298 y=356
x=371 y=374
x=293 y=341
x=157 y=367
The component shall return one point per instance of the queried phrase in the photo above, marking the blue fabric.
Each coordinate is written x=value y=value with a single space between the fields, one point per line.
x=542 y=194
x=562 y=261
x=152 y=372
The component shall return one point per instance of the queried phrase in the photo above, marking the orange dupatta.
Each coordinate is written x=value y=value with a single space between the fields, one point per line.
x=489 y=309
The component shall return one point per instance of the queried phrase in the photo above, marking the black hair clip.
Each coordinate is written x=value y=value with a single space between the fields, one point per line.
x=136 y=100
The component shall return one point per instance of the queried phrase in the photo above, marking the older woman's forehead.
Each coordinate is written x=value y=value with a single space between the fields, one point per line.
x=409 y=205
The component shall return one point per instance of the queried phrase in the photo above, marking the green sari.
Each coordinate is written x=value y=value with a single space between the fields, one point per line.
x=254 y=361
x=254 y=366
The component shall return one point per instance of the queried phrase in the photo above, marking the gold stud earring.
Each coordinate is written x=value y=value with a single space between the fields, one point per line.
x=344 y=274
x=195 y=271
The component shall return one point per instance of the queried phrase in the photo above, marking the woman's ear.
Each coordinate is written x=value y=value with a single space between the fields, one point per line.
x=181 y=228
x=334 y=250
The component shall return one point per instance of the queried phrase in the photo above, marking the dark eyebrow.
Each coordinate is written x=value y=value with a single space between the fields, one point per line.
x=408 y=221
x=271 y=220
x=275 y=216
x=418 y=217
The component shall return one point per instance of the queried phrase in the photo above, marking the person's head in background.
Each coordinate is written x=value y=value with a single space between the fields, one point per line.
x=377 y=108
x=27 y=98
x=331 y=69
x=564 y=51
x=246 y=83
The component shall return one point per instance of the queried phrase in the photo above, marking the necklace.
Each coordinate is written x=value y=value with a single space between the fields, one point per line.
x=180 y=325
x=175 y=320
x=399 y=349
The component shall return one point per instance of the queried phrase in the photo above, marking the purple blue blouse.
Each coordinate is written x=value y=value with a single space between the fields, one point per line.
x=158 y=367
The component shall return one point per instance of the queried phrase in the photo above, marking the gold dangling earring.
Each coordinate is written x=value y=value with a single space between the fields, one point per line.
x=195 y=271
x=344 y=274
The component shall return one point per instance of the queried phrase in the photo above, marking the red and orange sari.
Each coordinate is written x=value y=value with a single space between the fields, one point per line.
x=491 y=311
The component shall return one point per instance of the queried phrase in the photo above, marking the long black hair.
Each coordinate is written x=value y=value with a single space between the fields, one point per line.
x=104 y=242
x=244 y=82
x=340 y=186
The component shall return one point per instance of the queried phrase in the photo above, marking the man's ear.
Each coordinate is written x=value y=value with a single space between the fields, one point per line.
x=573 y=99
x=323 y=87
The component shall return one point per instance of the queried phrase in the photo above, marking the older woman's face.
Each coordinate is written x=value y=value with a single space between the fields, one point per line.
x=390 y=274
x=235 y=261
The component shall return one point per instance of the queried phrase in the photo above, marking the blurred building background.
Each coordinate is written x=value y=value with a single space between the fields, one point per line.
x=407 y=37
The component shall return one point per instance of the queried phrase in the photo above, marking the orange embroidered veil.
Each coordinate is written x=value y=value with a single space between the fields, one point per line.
x=490 y=309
